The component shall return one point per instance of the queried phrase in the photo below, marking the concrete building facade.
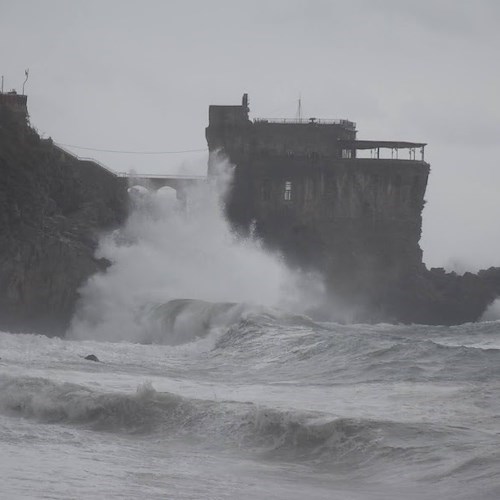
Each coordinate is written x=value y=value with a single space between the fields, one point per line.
x=301 y=184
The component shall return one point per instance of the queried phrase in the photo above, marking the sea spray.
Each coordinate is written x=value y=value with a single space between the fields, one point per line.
x=168 y=251
x=492 y=313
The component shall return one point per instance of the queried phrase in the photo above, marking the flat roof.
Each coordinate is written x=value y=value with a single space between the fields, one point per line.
x=347 y=144
x=307 y=121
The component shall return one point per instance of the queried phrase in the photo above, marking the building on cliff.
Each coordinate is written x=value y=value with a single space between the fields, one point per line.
x=17 y=103
x=304 y=187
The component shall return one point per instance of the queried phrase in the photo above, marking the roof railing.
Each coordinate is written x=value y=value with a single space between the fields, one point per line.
x=304 y=121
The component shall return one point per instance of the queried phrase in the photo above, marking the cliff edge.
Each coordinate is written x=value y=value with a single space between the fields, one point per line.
x=52 y=209
x=310 y=190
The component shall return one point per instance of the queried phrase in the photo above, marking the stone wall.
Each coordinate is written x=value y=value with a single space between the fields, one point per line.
x=358 y=222
x=298 y=138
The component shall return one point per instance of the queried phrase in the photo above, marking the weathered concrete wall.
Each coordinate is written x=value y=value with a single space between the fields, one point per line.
x=356 y=221
x=231 y=129
x=298 y=138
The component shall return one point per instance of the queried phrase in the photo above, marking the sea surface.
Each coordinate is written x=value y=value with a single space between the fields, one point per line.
x=266 y=405
x=214 y=383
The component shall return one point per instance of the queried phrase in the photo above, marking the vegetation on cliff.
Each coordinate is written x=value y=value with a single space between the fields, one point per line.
x=52 y=209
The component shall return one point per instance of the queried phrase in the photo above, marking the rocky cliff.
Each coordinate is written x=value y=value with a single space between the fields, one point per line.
x=52 y=210
x=436 y=297
x=300 y=186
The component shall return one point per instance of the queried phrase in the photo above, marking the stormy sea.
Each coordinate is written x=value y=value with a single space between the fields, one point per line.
x=213 y=381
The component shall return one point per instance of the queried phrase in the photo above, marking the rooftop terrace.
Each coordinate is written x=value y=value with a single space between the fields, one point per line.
x=308 y=121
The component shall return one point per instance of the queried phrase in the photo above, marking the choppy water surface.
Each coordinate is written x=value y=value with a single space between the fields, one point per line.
x=213 y=398
x=266 y=405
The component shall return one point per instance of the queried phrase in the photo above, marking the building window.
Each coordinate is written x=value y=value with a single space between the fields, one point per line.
x=346 y=153
x=288 y=191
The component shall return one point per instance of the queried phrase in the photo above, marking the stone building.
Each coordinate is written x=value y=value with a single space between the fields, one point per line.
x=308 y=192
x=15 y=102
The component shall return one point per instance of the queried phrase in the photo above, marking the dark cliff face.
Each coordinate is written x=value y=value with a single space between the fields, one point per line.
x=439 y=298
x=356 y=221
x=52 y=210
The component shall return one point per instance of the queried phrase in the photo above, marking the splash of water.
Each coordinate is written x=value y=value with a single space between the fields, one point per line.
x=165 y=252
x=492 y=313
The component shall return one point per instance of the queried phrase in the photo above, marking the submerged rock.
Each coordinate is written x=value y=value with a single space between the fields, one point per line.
x=91 y=357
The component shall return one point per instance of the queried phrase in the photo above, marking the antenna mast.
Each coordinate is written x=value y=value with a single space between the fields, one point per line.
x=26 y=72
x=299 y=109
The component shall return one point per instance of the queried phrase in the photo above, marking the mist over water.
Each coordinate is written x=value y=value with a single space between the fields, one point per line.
x=166 y=251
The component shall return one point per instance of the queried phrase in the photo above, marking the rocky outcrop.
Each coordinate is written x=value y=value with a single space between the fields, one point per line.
x=440 y=298
x=52 y=210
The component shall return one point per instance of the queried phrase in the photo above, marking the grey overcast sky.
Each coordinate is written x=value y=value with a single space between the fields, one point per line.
x=139 y=75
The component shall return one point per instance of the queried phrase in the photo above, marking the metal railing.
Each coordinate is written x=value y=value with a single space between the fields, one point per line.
x=82 y=158
x=125 y=174
x=159 y=176
x=304 y=121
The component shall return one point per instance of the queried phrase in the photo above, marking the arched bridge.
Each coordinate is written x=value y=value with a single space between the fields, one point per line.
x=181 y=183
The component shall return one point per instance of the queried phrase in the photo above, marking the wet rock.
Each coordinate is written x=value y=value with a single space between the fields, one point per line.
x=92 y=357
x=53 y=206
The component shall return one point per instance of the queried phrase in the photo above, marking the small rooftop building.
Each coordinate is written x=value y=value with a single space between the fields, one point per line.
x=15 y=102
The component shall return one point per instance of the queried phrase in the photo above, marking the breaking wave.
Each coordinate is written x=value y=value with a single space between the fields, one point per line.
x=165 y=253
x=273 y=433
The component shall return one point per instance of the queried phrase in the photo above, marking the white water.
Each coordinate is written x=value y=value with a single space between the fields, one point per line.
x=232 y=397
x=269 y=408
x=163 y=253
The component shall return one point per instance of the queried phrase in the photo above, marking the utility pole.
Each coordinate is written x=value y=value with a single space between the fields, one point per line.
x=2 y=84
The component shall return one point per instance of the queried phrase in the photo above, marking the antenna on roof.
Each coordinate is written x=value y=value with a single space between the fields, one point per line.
x=26 y=72
x=244 y=102
x=299 y=108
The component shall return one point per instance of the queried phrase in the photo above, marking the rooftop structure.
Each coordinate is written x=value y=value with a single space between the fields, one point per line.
x=14 y=101
x=334 y=138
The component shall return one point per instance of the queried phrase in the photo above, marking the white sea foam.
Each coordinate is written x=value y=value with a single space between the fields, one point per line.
x=492 y=313
x=164 y=252
x=280 y=407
